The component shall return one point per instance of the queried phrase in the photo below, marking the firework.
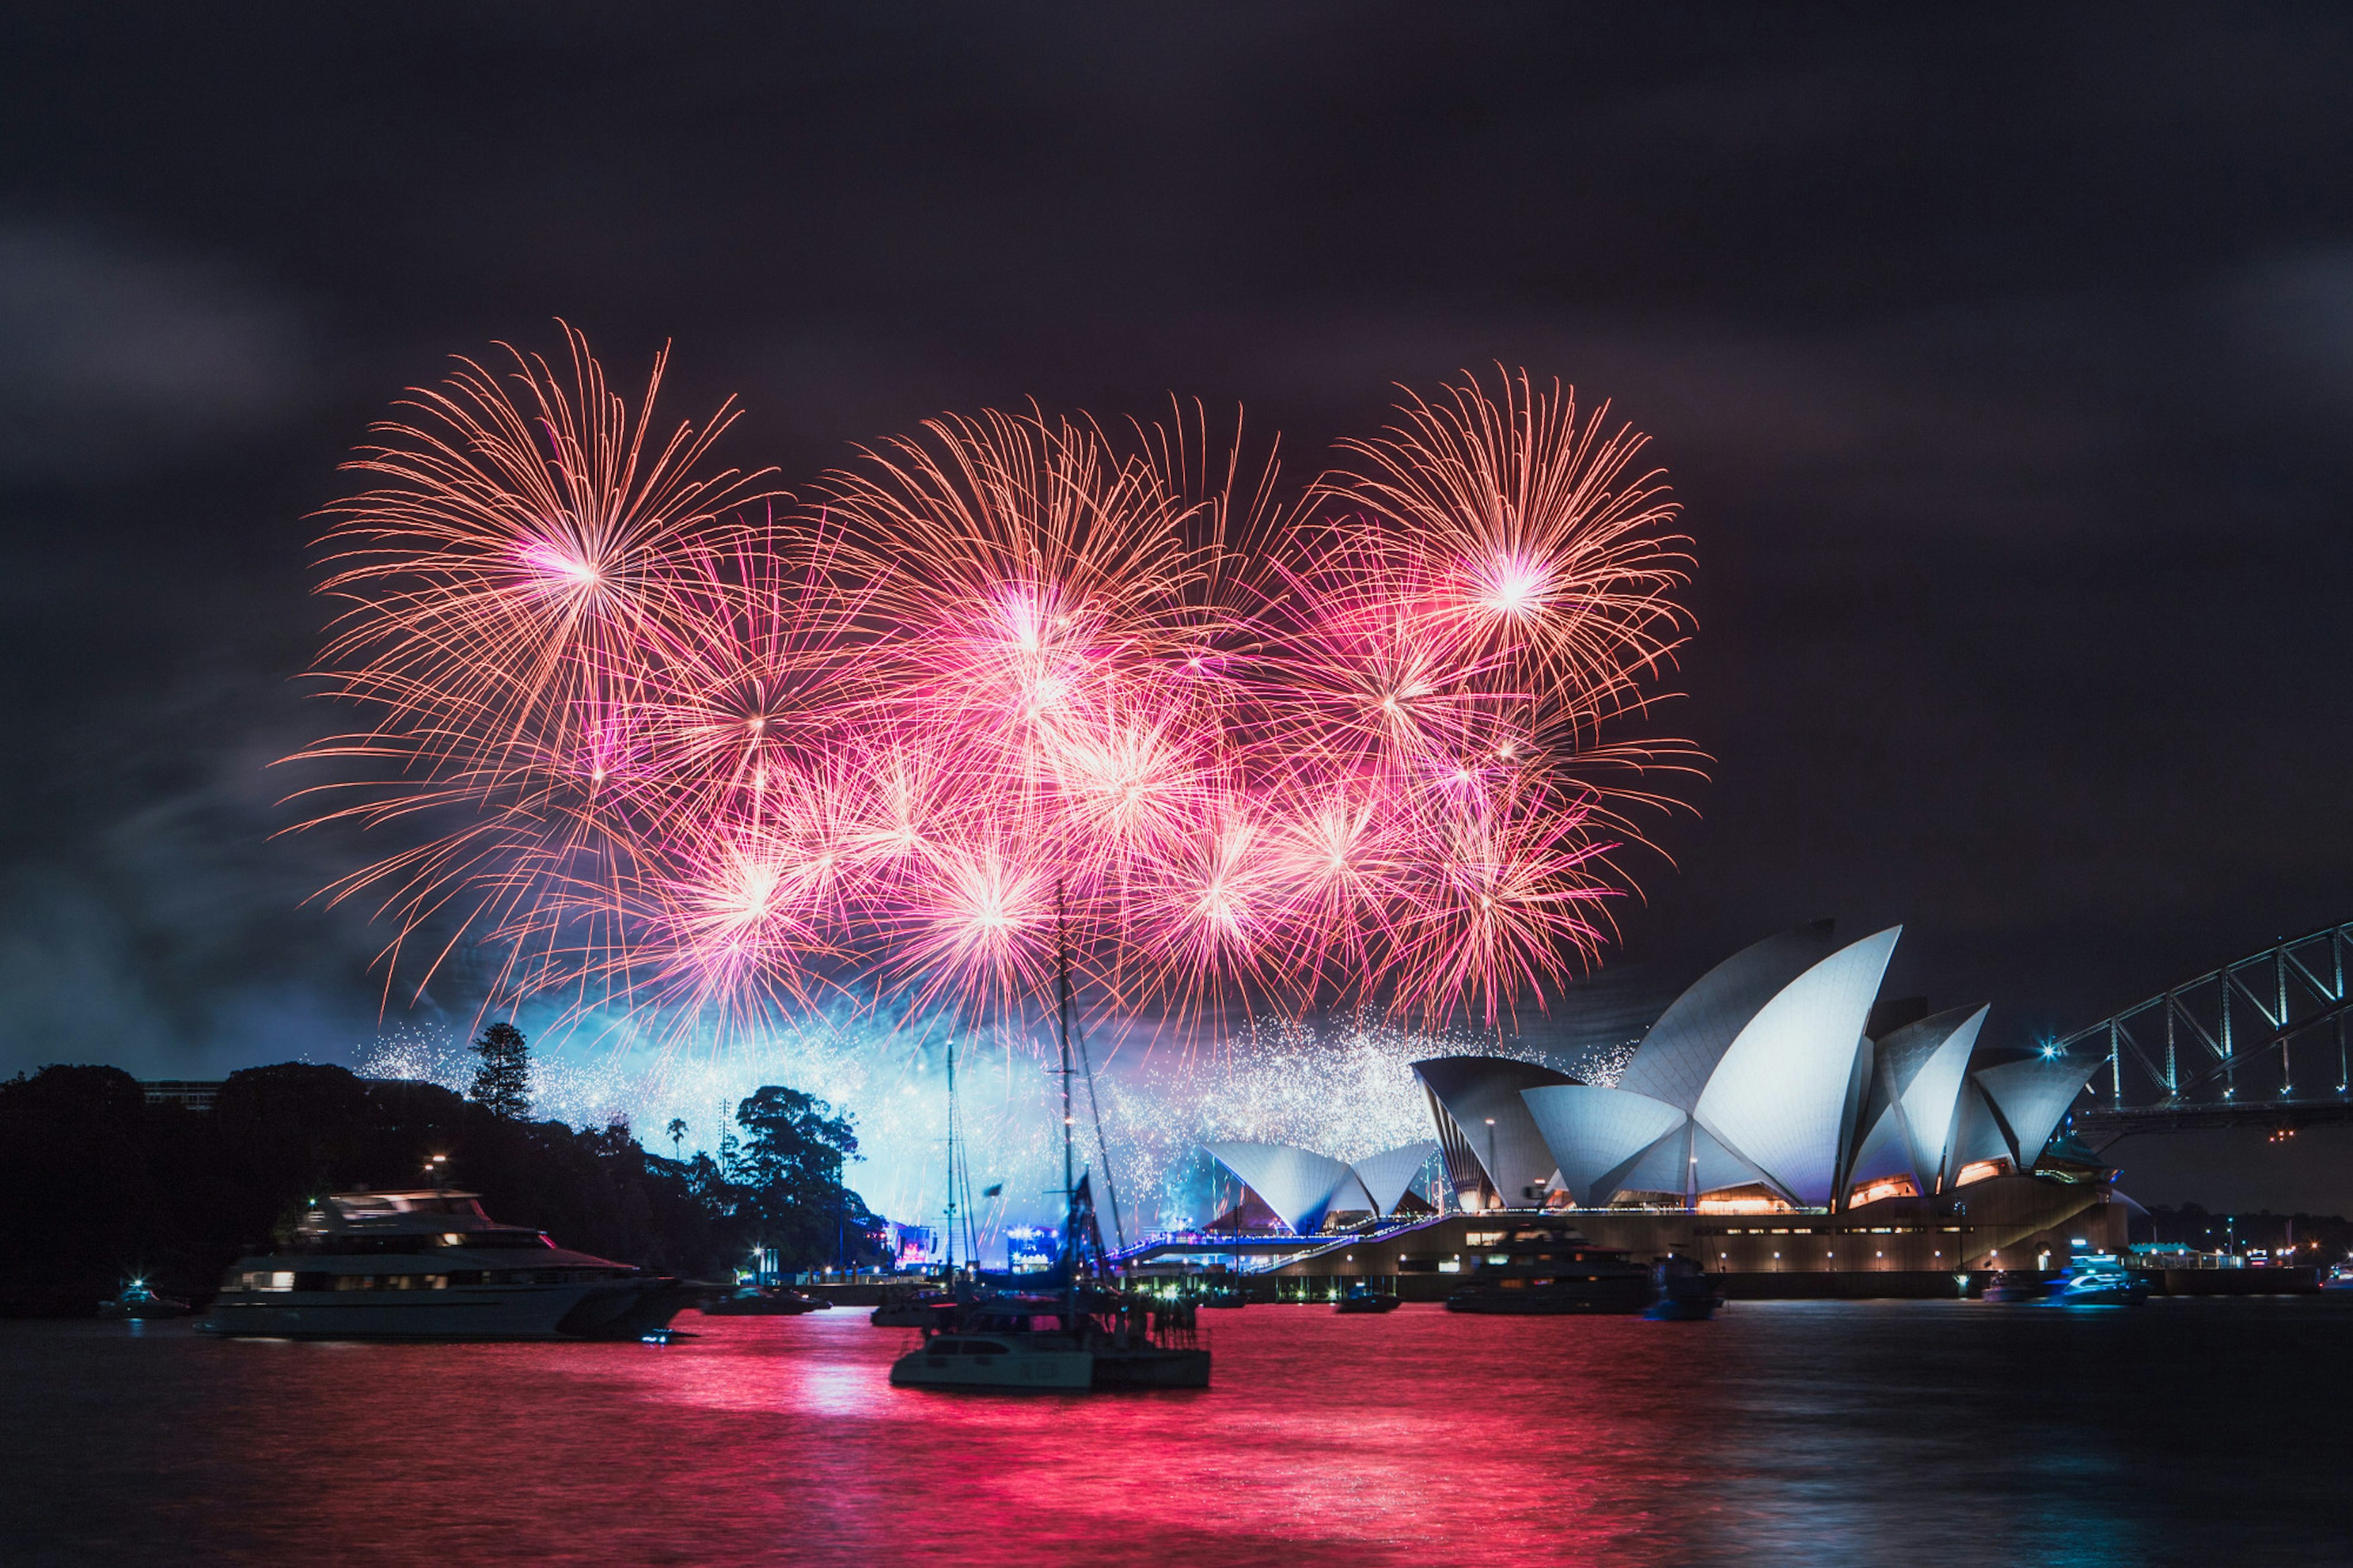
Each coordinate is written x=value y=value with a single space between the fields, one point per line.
x=1017 y=700
x=1532 y=541
x=1346 y=1088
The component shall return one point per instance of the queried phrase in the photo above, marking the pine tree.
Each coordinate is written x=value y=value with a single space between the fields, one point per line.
x=502 y=1081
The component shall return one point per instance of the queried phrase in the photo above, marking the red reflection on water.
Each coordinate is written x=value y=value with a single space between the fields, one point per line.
x=1415 y=1437
x=1826 y=1435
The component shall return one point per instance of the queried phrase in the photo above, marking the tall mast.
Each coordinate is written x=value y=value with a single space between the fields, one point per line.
x=1062 y=1008
x=952 y=1158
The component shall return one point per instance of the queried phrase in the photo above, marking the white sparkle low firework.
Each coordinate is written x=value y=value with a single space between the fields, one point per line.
x=1347 y=1090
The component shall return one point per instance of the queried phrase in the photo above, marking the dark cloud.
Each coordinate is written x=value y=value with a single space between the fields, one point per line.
x=124 y=358
x=2001 y=360
x=154 y=921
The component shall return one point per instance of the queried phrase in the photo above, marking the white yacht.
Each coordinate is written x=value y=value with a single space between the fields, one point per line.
x=432 y=1265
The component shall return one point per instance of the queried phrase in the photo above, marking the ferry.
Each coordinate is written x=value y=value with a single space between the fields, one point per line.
x=433 y=1266
x=1547 y=1269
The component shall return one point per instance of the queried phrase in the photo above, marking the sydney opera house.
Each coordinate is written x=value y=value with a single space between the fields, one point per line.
x=1779 y=1120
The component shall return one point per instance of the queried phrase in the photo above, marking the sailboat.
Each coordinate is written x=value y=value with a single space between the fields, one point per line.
x=929 y=1309
x=1089 y=1334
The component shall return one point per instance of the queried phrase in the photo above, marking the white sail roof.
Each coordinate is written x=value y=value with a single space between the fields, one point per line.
x=1300 y=1185
x=1472 y=1089
x=1778 y=1095
x=1387 y=1175
x=2032 y=1095
x=1679 y=1052
x=1914 y=1096
x=1884 y=1150
x=1663 y=1167
x=1926 y=1063
x=1977 y=1134
x=1685 y=1160
x=1715 y=1167
x=1596 y=1132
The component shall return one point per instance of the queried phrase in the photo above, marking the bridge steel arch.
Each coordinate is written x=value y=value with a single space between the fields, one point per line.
x=2262 y=1040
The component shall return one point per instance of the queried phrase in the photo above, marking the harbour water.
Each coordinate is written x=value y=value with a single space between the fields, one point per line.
x=1817 y=1433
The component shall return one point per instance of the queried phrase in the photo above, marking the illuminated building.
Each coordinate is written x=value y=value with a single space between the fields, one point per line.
x=1759 y=1084
x=1496 y=1156
x=1031 y=1248
x=1302 y=1187
x=1759 y=1127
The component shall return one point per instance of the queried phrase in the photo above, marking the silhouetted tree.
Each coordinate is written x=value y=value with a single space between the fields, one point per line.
x=787 y=1173
x=677 y=1131
x=502 y=1081
x=96 y=1184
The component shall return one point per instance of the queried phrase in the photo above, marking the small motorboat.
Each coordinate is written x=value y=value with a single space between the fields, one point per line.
x=2338 y=1279
x=2098 y=1279
x=139 y=1301
x=1682 y=1292
x=1366 y=1299
x=761 y=1302
x=2015 y=1285
x=923 y=1308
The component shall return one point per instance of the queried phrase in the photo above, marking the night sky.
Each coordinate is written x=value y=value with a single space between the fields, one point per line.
x=2002 y=363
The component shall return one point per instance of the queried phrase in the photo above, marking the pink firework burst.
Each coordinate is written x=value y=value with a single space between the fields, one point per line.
x=1019 y=696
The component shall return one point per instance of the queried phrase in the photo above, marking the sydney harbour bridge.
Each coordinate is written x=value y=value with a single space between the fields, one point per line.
x=2259 y=1042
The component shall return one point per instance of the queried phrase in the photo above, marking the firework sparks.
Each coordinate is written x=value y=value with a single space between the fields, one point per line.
x=1016 y=693
x=1347 y=1090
